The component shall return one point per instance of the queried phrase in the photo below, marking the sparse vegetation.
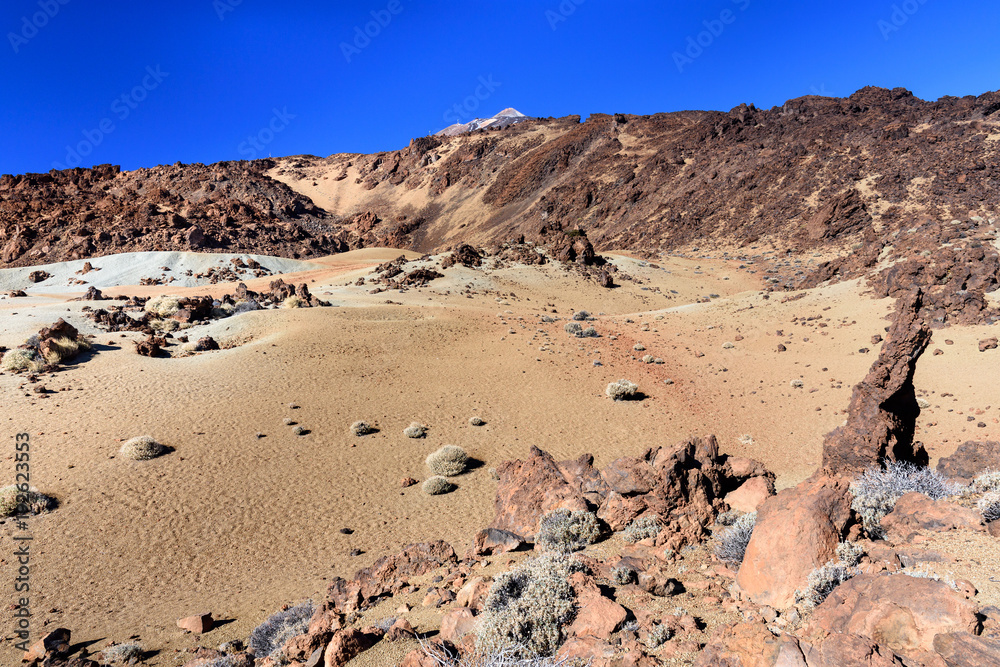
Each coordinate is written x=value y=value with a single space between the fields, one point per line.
x=415 y=430
x=659 y=635
x=448 y=461
x=476 y=421
x=986 y=482
x=163 y=306
x=850 y=553
x=639 y=347
x=731 y=543
x=642 y=528
x=360 y=428
x=877 y=490
x=18 y=359
x=122 y=654
x=581 y=316
x=573 y=328
x=437 y=485
x=142 y=448
x=298 y=430
x=622 y=390
x=623 y=576
x=293 y=302
x=989 y=506
x=164 y=325
x=589 y=332
x=32 y=502
x=269 y=637
x=529 y=607
x=822 y=581
x=63 y=349
x=566 y=531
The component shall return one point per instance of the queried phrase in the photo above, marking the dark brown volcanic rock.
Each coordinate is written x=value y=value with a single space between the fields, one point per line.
x=883 y=411
x=970 y=460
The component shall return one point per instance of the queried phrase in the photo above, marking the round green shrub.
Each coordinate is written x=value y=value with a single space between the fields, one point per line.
x=448 y=461
x=142 y=448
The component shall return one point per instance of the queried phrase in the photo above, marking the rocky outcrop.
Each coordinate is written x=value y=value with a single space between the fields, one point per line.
x=796 y=532
x=901 y=612
x=915 y=511
x=970 y=460
x=882 y=414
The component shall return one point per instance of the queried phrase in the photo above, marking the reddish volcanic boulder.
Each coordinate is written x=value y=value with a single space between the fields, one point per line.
x=970 y=460
x=751 y=494
x=797 y=531
x=528 y=489
x=915 y=511
x=961 y=649
x=899 y=611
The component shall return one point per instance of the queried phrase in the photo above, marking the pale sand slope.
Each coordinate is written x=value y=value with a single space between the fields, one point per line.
x=240 y=525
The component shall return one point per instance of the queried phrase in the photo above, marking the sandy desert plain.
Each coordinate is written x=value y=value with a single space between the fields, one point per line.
x=243 y=516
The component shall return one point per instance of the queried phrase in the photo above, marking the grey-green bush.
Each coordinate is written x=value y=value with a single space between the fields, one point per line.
x=822 y=581
x=448 y=461
x=566 y=531
x=437 y=485
x=34 y=502
x=122 y=654
x=622 y=390
x=641 y=528
x=731 y=543
x=623 y=576
x=415 y=430
x=142 y=448
x=269 y=637
x=989 y=505
x=877 y=490
x=360 y=428
x=529 y=607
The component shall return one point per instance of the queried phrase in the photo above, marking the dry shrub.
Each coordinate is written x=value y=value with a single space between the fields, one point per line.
x=448 y=461
x=142 y=448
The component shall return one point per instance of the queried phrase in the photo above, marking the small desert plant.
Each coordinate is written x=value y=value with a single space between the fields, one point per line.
x=821 y=582
x=728 y=517
x=293 y=302
x=360 y=428
x=850 y=553
x=987 y=481
x=298 y=430
x=566 y=531
x=14 y=502
x=639 y=347
x=122 y=654
x=989 y=505
x=448 y=461
x=877 y=490
x=17 y=360
x=589 y=332
x=163 y=305
x=529 y=607
x=622 y=390
x=648 y=359
x=623 y=576
x=731 y=544
x=164 y=325
x=245 y=306
x=444 y=656
x=641 y=528
x=142 y=448
x=476 y=421
x=581 y=316
x=437 y=485
x=268 y=638
x=659 y=635
x=63 y=349
x=573 y=328
x=415 y=430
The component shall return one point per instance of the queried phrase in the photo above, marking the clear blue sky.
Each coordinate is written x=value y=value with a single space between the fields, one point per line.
x=147 y=83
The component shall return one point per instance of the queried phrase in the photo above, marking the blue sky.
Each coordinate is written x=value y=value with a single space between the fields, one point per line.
x=146 y=83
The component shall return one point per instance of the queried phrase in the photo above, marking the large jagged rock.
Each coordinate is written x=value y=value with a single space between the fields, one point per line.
x=796 y=531
x=845 y=215
x=883 y=410
x=528 y=489
x=901 y=612
x=388 y=574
